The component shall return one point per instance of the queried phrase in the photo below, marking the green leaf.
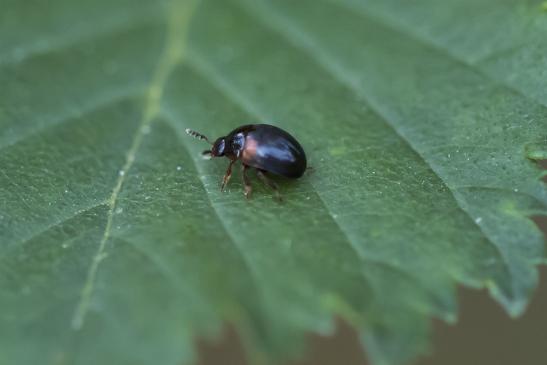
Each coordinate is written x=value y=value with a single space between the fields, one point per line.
x=419 y=118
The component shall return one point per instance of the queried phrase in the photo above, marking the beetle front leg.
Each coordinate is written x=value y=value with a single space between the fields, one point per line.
x=246 y=182
x=262 y=176
x=227 y=175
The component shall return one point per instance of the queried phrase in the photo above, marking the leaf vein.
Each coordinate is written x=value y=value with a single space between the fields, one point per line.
x=26 y=52
x=71 y=116
x=169 y=121
x=57 y=223
x=409 y=32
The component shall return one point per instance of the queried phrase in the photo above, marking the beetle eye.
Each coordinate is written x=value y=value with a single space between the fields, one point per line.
x=218 y=148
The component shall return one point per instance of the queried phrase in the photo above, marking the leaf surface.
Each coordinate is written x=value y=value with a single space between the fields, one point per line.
x=419 y=119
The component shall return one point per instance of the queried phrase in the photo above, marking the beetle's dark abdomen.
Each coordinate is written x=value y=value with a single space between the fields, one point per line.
x=272 y=149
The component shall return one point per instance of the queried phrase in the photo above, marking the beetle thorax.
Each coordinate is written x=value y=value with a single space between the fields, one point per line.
x=237 y=144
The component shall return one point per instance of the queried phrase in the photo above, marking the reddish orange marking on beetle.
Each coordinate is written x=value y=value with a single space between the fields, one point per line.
x=249 y=152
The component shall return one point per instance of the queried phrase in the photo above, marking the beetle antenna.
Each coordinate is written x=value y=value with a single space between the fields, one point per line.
x=197 y=135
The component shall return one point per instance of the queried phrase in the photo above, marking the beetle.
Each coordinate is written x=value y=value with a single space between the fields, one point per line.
x=264 y=147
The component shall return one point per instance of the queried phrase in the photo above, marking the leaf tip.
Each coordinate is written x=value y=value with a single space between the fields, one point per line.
x=515 y=305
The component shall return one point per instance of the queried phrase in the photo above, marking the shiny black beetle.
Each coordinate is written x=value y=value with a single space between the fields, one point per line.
x=266 y=148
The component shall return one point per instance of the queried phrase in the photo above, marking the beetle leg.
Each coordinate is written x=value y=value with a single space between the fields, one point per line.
x=246 y=182
x=227 y=175
x=262 y=176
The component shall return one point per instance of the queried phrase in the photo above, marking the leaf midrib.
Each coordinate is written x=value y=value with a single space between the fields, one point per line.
x=179 y=17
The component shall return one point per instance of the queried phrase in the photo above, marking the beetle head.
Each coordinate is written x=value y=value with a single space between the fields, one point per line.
x=218 y=147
